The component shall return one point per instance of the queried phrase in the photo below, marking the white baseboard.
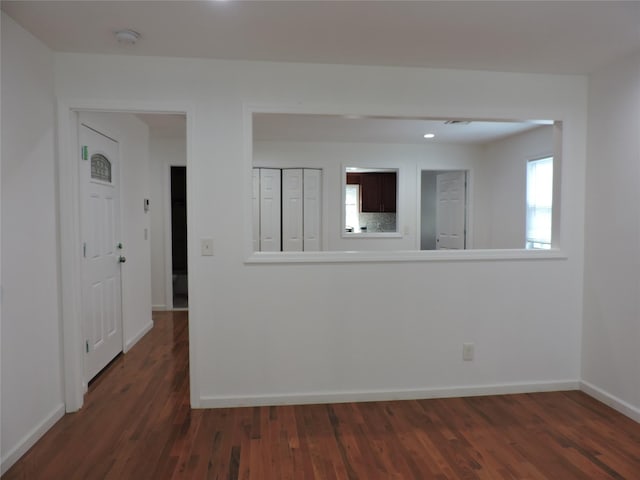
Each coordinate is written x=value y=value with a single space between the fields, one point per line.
x=158 y=308
x=385 y=395
x=128 y=345
x=611 y=400
x=14 y=454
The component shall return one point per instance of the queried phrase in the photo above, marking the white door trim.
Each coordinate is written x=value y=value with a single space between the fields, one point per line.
x=168 y=239
x=69 y=236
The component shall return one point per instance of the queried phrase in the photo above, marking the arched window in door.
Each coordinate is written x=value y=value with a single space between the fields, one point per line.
x=100 y=168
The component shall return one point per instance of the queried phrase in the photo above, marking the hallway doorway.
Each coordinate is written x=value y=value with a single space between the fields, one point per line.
x=179 y=268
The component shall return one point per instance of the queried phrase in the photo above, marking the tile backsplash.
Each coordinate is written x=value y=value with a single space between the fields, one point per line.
x=378 y=222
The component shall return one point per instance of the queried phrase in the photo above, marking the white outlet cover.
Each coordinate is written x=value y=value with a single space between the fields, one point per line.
x=467 y=351
x=206 y=247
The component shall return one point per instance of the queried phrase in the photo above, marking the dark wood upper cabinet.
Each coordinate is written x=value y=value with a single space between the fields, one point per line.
x=388 y=186
x=377 y=190
x=353 y=178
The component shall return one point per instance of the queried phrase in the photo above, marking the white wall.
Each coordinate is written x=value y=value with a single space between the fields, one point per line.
x=333 y=157
x=611 y=331
x=32 y=397
x=133 y=137
x=164 y=152
x=501 y=185
x=261 y=334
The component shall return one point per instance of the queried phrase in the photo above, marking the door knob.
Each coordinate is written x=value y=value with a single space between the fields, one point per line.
x=122 y=259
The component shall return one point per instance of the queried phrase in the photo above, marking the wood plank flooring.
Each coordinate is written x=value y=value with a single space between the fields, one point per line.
x=137 y=424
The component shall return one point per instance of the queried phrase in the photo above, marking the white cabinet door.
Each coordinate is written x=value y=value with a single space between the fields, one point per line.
x=292 y=210
x=312 y=209
x=270 y=210
x=255 y=205
x=451 y=210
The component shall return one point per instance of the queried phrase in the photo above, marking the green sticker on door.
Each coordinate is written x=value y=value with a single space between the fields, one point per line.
x=85 y=152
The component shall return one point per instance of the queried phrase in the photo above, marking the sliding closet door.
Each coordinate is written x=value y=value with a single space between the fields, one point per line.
x=312 y=209
x=270 y=209
x=292 y=210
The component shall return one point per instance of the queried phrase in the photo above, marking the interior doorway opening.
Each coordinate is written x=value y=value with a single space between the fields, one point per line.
x=179 y=265
x=443 y=210
x=146 y=152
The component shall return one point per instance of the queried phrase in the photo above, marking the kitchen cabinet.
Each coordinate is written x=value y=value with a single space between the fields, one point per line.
x=378 y=192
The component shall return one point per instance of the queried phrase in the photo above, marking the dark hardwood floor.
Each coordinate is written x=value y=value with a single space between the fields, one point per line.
x=137 y=424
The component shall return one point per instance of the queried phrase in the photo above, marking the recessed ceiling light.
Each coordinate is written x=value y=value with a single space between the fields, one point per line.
x=429 y=135
x=127 y=37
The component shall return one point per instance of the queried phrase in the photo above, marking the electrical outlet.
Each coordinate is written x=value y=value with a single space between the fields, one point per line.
x=467 y=352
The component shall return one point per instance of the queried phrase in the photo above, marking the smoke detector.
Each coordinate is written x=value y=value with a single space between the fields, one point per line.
x=127 y=37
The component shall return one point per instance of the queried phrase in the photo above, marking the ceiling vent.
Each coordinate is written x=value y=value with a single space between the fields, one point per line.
x=457 y=122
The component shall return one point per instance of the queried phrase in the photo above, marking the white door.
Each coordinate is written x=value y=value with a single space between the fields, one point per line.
x=451 y=210
x=101 y=256
x=292 y=210
x=312 y=209
x=270 y=210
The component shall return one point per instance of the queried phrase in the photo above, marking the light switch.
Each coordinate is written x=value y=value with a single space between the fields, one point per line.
x=206 y=247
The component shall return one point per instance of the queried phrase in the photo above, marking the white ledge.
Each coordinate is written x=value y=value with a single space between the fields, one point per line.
x=404 y=256
x=371 y=235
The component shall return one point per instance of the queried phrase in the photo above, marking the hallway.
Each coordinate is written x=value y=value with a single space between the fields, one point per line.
x=137 y=424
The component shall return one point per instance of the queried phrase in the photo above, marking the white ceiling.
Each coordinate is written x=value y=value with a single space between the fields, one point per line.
x=572 y=37
x=335 y=128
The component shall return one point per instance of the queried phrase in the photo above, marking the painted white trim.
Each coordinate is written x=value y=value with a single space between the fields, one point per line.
x=614 y=402
x=168 y=238
x=405 y=256
x=386 y=395
x=69 y=241
x=193 y=207
x=137 y=337
x=70 y=271
x=31 y=438
x=158 y=308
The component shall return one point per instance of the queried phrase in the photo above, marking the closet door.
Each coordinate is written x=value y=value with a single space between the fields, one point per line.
x=270 y=210
x=312 y=209
x=255 y=205
x=292 y=210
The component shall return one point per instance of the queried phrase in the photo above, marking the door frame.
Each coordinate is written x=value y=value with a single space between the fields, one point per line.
x=69 y=261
